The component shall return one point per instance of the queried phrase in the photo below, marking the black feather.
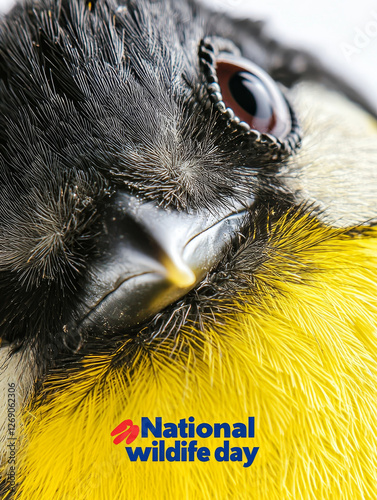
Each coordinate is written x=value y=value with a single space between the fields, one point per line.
x=97 y=96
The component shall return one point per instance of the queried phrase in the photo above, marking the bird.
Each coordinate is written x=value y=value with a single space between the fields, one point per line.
x=188 y=259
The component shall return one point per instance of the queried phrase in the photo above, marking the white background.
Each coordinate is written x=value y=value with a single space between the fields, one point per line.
x=343 y=32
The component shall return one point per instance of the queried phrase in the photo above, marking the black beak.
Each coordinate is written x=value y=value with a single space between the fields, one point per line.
x=151 y=257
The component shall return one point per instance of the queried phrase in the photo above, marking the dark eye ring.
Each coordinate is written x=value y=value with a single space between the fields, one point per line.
x=249 y=100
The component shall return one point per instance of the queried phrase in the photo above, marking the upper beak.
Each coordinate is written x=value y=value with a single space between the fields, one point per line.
x=149 y=258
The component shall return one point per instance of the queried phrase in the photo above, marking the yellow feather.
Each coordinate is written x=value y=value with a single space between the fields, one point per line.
x=297 y=350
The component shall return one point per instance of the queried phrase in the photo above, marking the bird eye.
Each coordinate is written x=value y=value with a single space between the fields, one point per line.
x=253 y=96
x=249 y=100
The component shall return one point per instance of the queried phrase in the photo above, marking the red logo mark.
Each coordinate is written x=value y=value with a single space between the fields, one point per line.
x=126 y=428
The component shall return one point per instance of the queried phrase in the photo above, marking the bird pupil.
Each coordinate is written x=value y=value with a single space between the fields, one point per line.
x=251 y=94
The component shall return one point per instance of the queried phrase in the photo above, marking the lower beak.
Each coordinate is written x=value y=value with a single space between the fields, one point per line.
x=149 y=257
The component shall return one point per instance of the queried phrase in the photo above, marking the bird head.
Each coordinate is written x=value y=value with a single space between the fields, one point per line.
x=135 y=152
x=169 y=179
